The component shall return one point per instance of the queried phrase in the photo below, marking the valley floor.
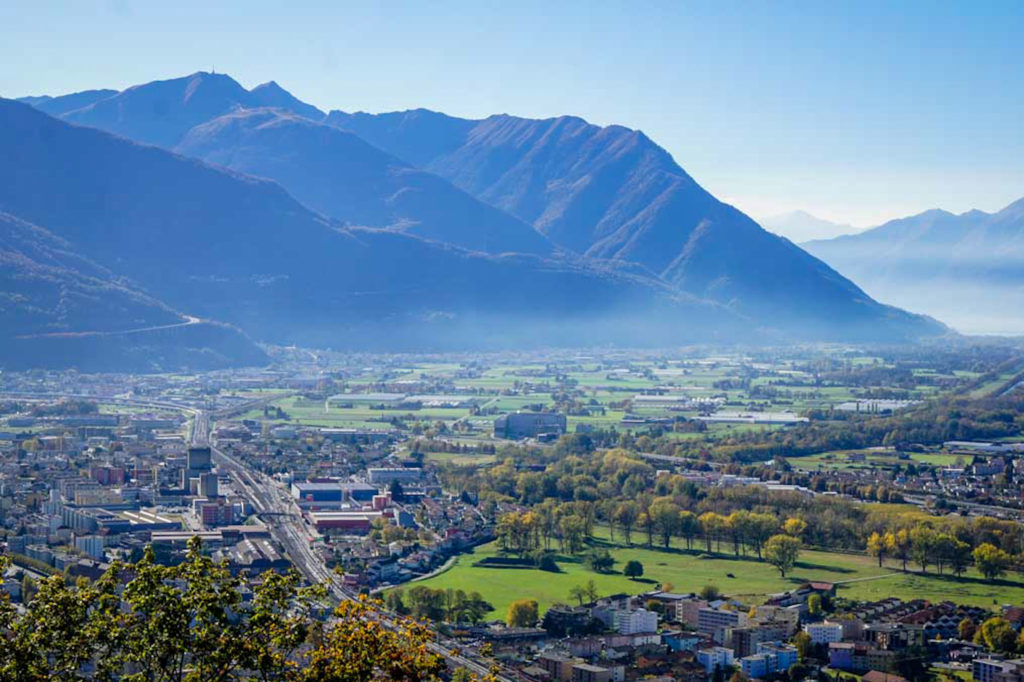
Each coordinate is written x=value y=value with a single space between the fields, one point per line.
x=858 y=577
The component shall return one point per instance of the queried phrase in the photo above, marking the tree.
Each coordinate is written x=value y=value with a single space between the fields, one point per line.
x=547 y=563
x=572 y=528
x=877 y=547
x=991 y=561
x=645 y=521
x=782 y=551
x=761 y=528
x=996 y=634
x=626 y=515
x=966 y=629
x=689 y=527
x=794 y=527
x=353 y=649
x=578 y=593
x=804 y=645
x=814 y=604
x=960 y=557
x=710 y=592
x=184 y=623
x=522 y=613
x=393 y=602
x=633 y=569
x=665 y=515
x=600 y=560
x=901 y=545
x=462 y=675
x=710 y=526
x=922 y=541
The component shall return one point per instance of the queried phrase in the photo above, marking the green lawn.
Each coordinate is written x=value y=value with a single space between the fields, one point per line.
x=689 y=571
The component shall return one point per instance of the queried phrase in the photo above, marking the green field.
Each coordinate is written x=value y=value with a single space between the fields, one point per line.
x=689 y=571
x=460 y=459
x=873 y=458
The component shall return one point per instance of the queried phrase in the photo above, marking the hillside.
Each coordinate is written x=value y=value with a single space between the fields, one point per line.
x=57 y=106
x=341 y=176
x=612 y=193
x=161 y=112
x=609 y=194
x=59 y=308
x=242 y=250
x=964 y=268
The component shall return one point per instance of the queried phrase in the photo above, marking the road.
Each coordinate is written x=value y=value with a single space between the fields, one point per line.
x=188 y=321
x=278 y=511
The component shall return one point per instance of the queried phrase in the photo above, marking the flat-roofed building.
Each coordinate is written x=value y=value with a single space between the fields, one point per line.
x=529 y=424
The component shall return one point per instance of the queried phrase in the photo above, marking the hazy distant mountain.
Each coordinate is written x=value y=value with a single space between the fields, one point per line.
x=801 y=226
x=59 y=308
x=271 y=94
x=162 y=111
x=967 y=269
x=230 y=247
x=56 y=106
x=612 y=193
x=344 y=177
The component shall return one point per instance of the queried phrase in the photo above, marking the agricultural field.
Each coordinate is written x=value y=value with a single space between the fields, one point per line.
x=872 y=458
x=594 y=394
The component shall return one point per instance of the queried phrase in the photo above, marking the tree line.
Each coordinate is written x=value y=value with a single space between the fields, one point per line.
x=559 y=502
x=196 y=621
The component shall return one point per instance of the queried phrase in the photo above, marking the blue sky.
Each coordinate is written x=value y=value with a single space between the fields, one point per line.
x=856 y=112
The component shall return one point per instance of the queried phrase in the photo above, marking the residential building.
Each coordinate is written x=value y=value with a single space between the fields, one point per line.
x=715 y=657
x=714 y=621
x=635 y=622
x=744 y=640
x=585 y=672
x=825 y=632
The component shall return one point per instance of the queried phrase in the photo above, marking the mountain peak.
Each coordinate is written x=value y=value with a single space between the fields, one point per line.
x=270 y=94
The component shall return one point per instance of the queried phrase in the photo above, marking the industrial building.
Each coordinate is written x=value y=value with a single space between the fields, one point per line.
x=332 y=494
x=529 y=425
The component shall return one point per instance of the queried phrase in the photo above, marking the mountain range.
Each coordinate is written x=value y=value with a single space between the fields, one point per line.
x=967 y=269
x=801 y=226
x=410 y=230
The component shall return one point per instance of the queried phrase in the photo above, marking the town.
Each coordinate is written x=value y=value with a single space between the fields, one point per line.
x=714 y=541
